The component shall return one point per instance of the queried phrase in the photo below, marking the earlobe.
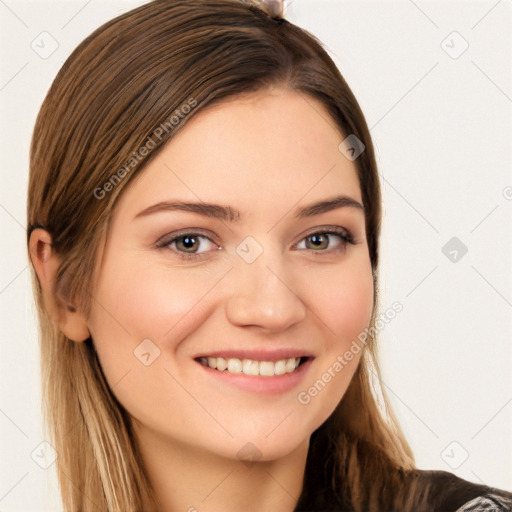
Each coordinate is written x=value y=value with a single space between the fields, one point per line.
x=74 y=326
x=46 y=263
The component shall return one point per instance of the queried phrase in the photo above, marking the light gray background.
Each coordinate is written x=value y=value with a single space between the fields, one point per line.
x=442 y=131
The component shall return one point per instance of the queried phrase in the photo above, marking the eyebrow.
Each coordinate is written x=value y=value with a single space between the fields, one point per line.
x=231 y=214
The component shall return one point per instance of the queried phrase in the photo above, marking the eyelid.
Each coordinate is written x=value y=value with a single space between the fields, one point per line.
x=337 y=230
x=171 y=237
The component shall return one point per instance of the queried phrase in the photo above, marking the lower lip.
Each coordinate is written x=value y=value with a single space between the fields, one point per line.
x=275 y=385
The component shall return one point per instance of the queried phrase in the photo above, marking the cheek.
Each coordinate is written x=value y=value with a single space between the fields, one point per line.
x=342 y=299
x=135 y=302
x=149 y=301
x=353 y=304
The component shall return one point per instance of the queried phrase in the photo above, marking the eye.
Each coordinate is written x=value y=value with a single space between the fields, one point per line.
x=189 y=245
x=186 y=244
x=320 y=241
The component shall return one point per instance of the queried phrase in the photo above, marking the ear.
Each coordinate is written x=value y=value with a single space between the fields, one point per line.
x=46 y=263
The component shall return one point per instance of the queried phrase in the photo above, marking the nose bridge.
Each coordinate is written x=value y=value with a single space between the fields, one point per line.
x=261 y=292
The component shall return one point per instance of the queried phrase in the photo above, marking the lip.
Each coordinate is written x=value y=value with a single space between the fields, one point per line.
x=258 y=355
x=278 y=384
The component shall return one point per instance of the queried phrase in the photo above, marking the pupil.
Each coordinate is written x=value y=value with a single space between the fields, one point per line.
x=316 y=239
x=188 y=241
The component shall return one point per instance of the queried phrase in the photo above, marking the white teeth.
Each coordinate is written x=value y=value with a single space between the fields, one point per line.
x=280 y=367
x=221 y=363
x=234 y=366
x=251 y=366
x=267 y=368
x=290 y=365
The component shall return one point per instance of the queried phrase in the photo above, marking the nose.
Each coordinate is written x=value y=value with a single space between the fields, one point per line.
x=262 y=295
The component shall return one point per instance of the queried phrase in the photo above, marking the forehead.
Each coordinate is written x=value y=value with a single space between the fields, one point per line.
x=256 y=152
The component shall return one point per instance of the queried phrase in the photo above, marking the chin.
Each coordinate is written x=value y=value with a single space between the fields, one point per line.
x=270 y=443
x=266 y=451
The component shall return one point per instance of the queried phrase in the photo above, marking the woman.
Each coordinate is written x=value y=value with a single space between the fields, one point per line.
x=203 y=224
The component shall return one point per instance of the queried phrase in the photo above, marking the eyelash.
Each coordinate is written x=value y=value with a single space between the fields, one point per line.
x=344 y=235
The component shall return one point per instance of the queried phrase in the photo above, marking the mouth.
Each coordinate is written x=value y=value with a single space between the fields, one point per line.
x=254 y=367
x=262 y=372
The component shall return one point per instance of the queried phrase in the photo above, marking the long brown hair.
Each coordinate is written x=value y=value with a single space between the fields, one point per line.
x=127 y=87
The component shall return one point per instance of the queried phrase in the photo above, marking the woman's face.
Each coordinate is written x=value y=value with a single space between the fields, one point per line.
x=269 y=284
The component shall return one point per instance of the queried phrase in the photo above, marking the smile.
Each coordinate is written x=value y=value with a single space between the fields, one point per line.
x=252 y=366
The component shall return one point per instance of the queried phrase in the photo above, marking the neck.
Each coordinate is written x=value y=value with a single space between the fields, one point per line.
x=186 y=478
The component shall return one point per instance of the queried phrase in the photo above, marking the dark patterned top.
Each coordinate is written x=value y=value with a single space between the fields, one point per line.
x=488 y=503
x=417 y=490
x=448 y=493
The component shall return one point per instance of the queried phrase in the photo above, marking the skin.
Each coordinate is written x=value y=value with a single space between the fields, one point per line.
x=267 y=155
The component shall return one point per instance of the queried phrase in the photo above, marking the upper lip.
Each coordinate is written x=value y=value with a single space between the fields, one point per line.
x=257 y=354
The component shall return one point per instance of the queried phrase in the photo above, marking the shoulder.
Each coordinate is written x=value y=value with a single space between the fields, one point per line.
x=455 y=494
x=490 y=502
